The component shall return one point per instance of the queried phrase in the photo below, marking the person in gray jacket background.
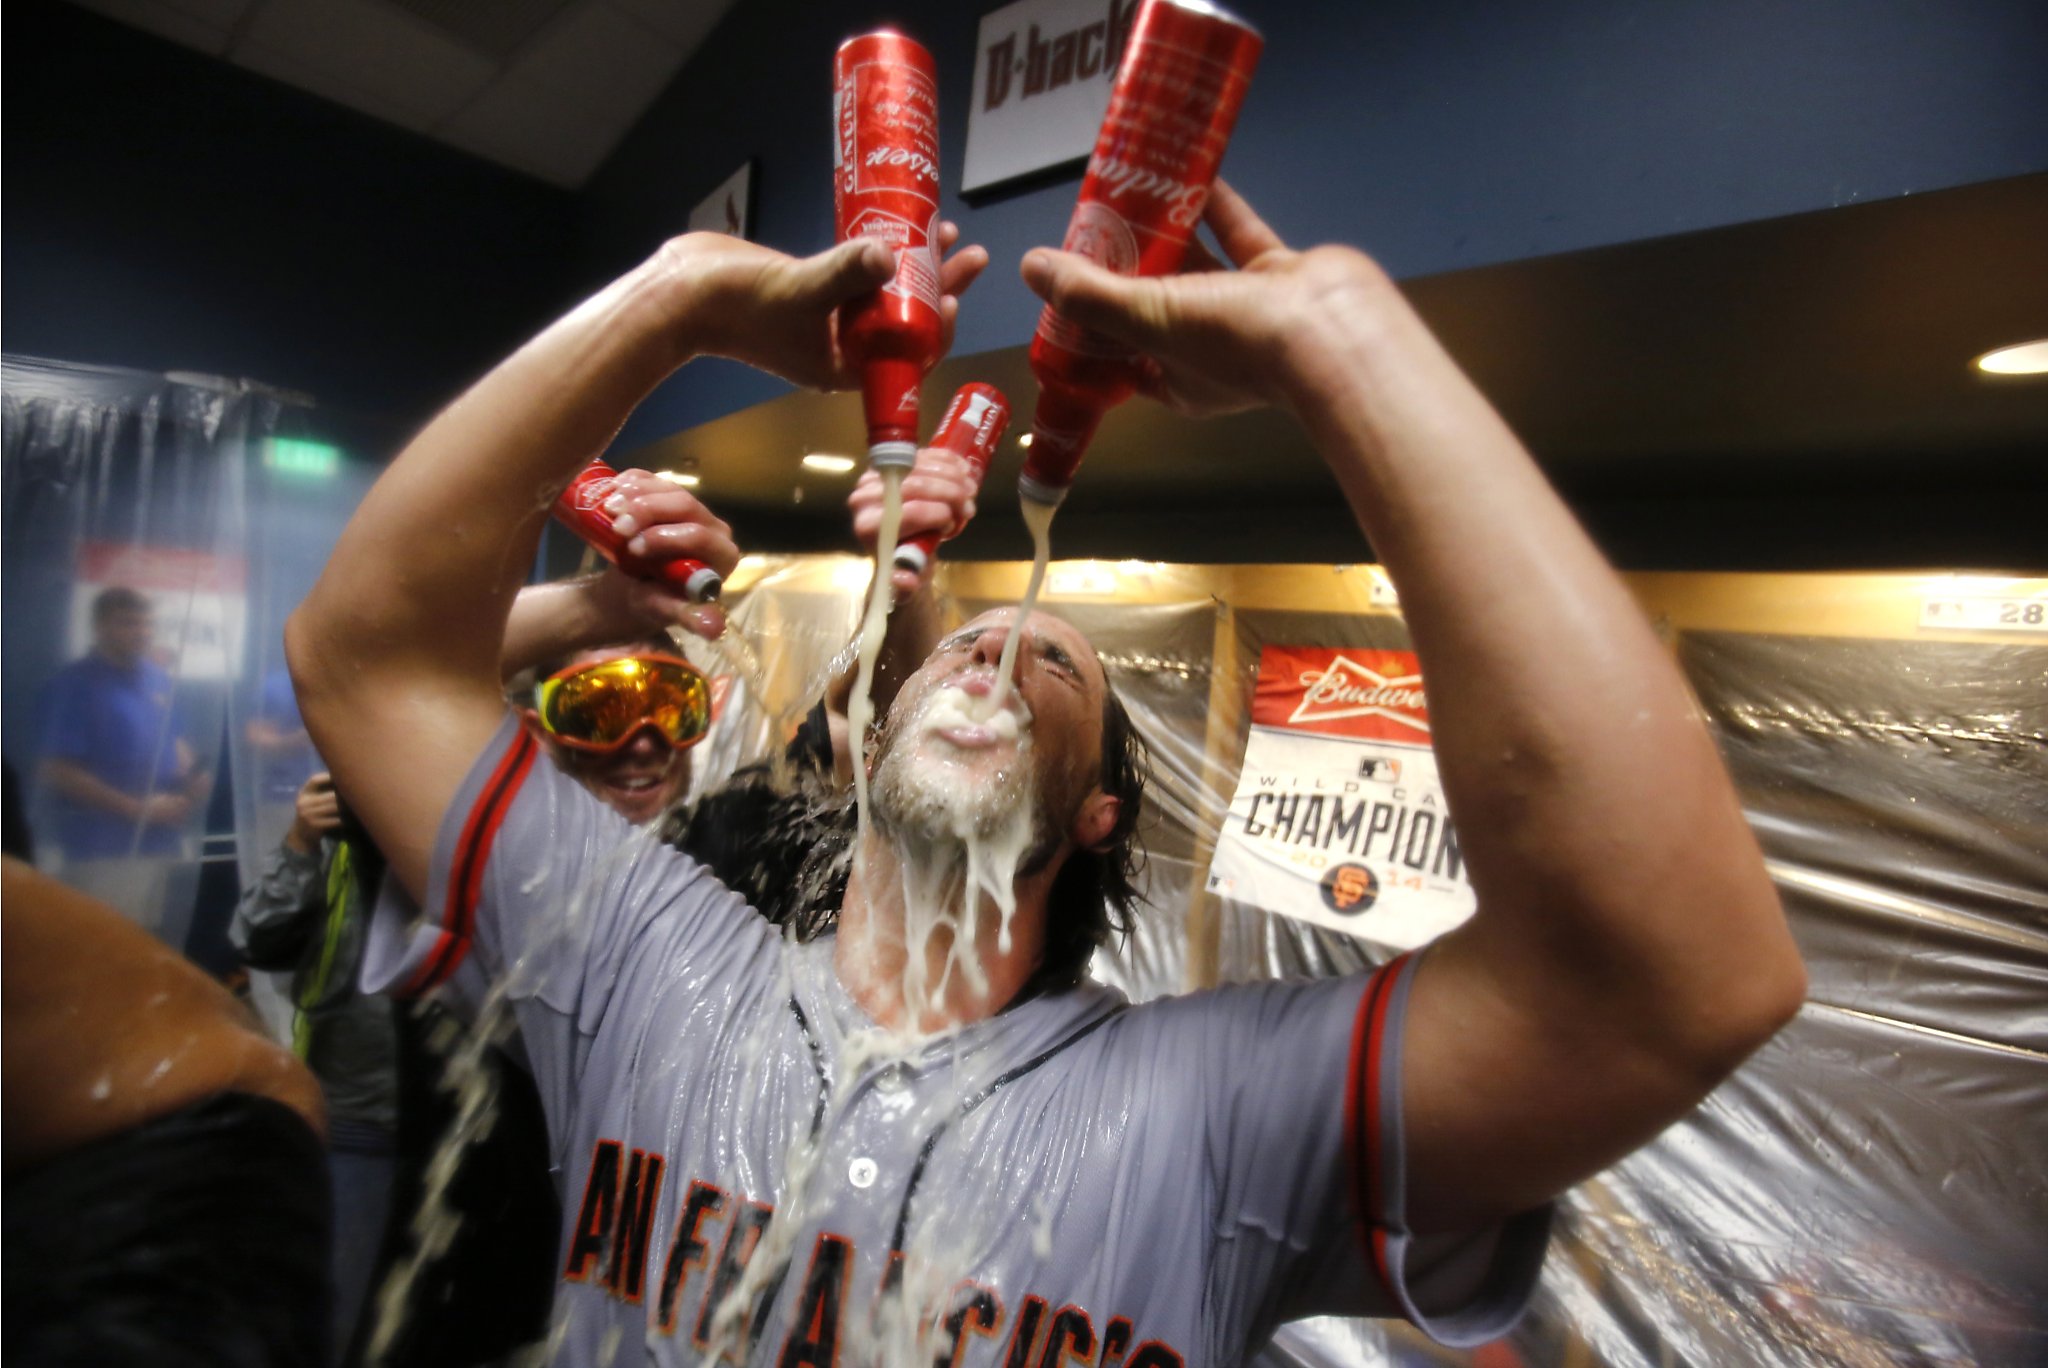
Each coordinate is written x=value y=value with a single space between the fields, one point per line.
x=306 y=913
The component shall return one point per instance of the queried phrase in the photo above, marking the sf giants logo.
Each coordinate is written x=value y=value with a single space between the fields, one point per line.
x=1349 y=889
x=696 y=1291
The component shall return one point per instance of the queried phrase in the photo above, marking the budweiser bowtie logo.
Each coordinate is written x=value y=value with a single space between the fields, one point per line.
x=1366 y=694
x=593 y=493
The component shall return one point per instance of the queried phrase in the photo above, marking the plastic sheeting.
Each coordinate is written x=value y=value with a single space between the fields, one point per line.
x=117 y=481
x=176 y=486
x=1872 y=1187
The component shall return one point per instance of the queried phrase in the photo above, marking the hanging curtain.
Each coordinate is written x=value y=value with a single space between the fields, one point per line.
x=149 y=560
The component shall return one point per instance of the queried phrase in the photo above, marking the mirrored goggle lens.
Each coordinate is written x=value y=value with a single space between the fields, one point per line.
x=603 y=704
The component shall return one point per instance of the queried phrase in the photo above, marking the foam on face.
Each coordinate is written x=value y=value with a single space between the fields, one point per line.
x=987 y=828
x=951 y=707
x=958 y=793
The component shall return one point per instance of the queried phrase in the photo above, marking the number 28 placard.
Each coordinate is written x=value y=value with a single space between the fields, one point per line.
x=2026 y=614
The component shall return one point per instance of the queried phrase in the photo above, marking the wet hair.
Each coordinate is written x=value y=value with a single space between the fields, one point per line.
x=1096 y=894
x=119 y=599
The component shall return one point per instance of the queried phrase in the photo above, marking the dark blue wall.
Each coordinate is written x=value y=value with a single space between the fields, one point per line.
x=1438 y=134
x=167 y=211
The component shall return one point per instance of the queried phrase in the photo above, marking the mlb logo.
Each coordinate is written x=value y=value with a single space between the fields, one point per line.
x=1379 y=768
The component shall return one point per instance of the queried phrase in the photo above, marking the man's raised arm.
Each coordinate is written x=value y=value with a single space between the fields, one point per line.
x=395 y=653
x=1628 y=950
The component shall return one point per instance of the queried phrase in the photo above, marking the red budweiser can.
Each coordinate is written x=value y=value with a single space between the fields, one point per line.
x=974 y=423
x=885 y=184
x=1176 y=97
x=581 y=507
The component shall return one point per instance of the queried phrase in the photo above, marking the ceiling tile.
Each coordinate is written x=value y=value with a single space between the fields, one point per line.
x=378 y=51
x=224 y=13
x=496 y=28
x=609 y=61
x=685 y=23
x=166 y=21
x=536 y=129
x=283 y=67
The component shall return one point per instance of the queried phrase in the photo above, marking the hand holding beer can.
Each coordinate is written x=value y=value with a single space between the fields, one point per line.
x=975 y=421
x=885 y=184
x=1183 y=78
x=581 y=508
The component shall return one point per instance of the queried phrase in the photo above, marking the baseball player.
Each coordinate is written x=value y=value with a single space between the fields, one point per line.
x=921 y=1139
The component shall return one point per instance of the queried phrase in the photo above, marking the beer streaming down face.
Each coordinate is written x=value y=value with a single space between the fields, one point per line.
x=860 y=708
x=958 y=801
x=1038 y=519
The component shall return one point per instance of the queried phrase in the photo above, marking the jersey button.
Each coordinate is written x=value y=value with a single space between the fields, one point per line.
x=862 y=1172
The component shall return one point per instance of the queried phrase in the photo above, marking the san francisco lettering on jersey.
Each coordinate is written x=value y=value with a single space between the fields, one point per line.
x=716 y=1236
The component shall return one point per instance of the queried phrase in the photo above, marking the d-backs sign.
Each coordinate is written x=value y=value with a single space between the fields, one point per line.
x=1338 y=818
x=1042 y=73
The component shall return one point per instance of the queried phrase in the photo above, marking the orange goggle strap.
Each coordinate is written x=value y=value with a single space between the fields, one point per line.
x=601 y=705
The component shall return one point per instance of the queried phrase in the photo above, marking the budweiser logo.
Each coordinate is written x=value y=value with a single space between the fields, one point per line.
x=592 y=493
x=918 y=163
x=1117 y=178
x=1348 y=689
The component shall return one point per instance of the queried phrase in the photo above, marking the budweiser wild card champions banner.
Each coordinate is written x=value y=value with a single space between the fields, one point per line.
x=1338 y=818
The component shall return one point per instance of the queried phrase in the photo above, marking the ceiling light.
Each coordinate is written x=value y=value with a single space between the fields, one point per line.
x=831 y=465
x=2027 y=358
x=1025 y=440
x=679 y=477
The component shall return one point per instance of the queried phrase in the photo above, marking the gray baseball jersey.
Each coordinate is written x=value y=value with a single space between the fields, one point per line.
x=1074 y=1181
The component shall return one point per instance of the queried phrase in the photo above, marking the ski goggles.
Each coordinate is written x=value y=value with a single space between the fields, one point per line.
x=602 y=706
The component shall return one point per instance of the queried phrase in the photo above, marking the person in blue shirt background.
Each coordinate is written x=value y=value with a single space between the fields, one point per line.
x=280 y=755
x=120 y=779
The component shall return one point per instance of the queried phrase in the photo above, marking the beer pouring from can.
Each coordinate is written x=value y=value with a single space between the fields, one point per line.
x=975 y=421
x=1177 y=92
x=580 y=507
x=885 y=184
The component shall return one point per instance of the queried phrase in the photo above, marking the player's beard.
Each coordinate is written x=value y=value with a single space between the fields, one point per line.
x=931 y=800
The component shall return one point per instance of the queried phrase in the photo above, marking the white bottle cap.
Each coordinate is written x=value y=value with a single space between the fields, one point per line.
x=703 y=585
x=912 y=558
x=892 y=455
x=1040 y=492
